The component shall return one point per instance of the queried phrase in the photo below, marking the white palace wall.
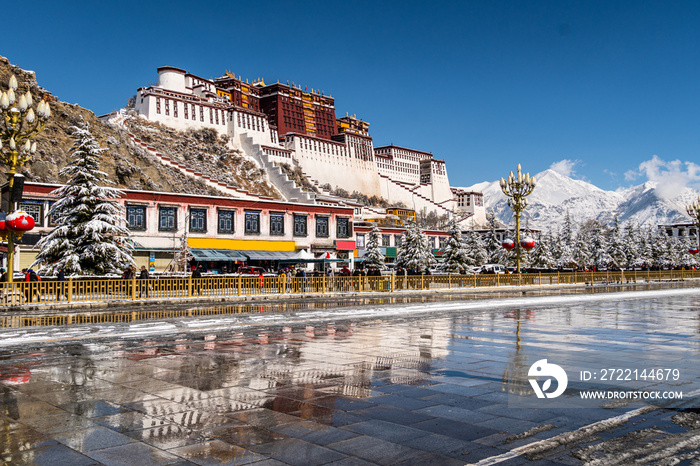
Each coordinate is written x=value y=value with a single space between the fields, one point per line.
x=329 y=162
x=168 y=108
x=253 y=126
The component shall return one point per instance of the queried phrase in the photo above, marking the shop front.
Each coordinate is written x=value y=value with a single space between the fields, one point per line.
x=222 y=255
x=345 y=250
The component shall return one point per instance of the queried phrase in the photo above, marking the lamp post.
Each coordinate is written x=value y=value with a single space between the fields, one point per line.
x=19 y=122
x=694 y=212
x=517 y=188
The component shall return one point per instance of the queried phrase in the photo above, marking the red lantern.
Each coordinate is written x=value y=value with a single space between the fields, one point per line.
x=508 y=244
x=527 y=243
x=693 y=251
x=19 y=221
x=3 y=225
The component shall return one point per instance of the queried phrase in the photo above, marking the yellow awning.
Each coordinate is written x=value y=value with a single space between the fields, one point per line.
x=241 y=244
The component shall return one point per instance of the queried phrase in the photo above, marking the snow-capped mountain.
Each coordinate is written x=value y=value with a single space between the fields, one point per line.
x=556 y=194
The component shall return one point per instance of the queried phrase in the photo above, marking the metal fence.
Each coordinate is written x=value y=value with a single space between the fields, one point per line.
x=84 y=290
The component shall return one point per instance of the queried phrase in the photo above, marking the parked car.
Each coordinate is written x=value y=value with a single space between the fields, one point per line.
x=493 y=269
x=250 y=271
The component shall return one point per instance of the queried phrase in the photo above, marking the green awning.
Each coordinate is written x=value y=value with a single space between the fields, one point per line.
x=221 y=255
x=270 y=255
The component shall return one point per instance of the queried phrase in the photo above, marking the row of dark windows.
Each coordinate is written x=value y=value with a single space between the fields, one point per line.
x=212 y=112
x=167 y=221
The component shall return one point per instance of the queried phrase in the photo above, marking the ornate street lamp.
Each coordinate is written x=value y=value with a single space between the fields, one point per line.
x=19 y=122
x=517 y=188
x=694 y=212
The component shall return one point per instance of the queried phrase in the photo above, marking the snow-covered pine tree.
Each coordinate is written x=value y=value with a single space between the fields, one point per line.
x=600 y=246
x=475 y=251
x=90 y=234
x=660 y=250
x=631 y=243
x=492 y=244
x=687 y=260
x=563 y=245
x=675 y=250
x=414 y=252
x=373 y=255
x=542 y=255
x=582 y=250
x=617 y=250
x=644 y=250
x=454 y=252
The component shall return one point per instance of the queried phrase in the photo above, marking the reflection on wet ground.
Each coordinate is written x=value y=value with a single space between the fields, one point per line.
x=396 y=390
x=148 y=313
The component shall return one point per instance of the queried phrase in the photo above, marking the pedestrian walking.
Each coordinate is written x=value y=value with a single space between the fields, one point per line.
x=331 y=279
x=128 y=275
x=61 y=285
x=33 y=285
x=196 y=276
x=143 y=287
x=282 y=280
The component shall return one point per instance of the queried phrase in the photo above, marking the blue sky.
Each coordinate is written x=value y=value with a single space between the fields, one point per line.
x=604 y=91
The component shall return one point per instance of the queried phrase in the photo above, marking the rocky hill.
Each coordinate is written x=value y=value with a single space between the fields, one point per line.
x=127 y=163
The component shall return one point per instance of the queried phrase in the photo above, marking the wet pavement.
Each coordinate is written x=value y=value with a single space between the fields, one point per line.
x=397 y=383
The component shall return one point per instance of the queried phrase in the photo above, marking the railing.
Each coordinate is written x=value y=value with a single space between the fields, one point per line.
x=104 y=290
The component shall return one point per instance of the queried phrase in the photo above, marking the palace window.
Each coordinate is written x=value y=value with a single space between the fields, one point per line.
x=277 y=224
x=344 y=228
x=53 y=218
x=397 y=240
x=158 y=105
x=198 y=220
x=443 y=241
x=175 y=108
x=201 y=113
x=185 y=105
x=136 y=217
x=211 y=116
x=386 y=241
x=167 y=218
x=299 y=225
x=252 y=223
x=226 y=221
x=360 y=241
x=322 y=227
x=35 y=209
x=167 y=106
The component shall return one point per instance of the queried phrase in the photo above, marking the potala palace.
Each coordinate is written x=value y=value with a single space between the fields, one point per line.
x=278 y=123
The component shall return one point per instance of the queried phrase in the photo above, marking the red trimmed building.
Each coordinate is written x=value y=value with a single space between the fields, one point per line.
x=222 y=232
